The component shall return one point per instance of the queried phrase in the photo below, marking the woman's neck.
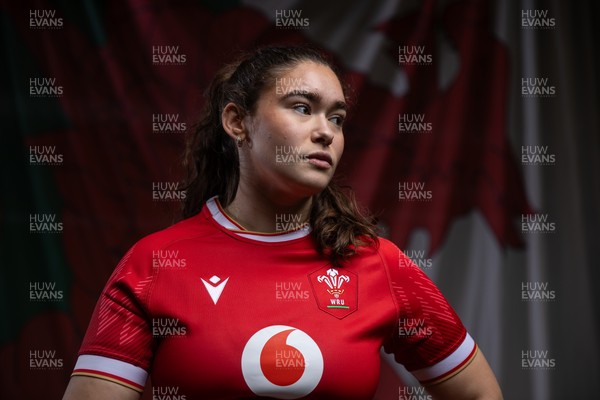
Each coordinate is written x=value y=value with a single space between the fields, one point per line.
x=261 y=212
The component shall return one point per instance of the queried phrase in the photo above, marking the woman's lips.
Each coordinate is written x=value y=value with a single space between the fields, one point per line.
x=320 y=159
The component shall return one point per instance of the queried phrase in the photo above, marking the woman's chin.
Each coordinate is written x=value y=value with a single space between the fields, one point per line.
x=313 y=185
x=301 y=184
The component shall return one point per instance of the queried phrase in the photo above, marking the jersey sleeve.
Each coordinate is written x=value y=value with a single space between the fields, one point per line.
x=429 y=339
x=118 y=343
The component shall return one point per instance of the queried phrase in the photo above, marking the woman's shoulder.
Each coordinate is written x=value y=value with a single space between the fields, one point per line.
x=188 y=229
x=385 y=248
x=380 y=251
x=398 y=264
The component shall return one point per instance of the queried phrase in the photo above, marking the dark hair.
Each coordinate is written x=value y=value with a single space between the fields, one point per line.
x=212 y=162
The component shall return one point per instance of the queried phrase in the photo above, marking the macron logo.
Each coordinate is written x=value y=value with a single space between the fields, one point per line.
x=215 y=287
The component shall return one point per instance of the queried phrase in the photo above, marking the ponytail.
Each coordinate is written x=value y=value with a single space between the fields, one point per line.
x=211 y=160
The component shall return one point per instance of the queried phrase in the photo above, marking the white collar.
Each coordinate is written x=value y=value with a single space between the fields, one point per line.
x=219 y=215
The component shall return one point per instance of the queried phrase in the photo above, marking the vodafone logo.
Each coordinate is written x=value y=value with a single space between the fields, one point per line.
x=282 y=362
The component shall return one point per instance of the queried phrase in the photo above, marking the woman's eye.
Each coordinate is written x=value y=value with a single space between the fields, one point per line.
x=337 y=120
x=302 y=108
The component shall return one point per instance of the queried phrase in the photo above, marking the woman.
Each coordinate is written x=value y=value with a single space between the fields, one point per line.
x=275 y=285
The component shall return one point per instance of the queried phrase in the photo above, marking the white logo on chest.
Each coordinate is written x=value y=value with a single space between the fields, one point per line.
x=282 y=362
x=215 y=287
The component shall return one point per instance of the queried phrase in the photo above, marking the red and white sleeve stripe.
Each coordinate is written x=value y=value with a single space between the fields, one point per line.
x=112 y=370
x=449 y=366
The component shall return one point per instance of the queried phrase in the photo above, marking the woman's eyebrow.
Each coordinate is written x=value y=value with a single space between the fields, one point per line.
x=313 y=97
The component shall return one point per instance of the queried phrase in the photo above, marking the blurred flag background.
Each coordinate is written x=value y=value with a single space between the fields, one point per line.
x=474 y=137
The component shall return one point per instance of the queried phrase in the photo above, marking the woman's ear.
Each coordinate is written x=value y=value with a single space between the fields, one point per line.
x=232 y=119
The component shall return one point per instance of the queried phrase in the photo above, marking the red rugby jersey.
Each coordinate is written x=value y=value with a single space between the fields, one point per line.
x=212 y=311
